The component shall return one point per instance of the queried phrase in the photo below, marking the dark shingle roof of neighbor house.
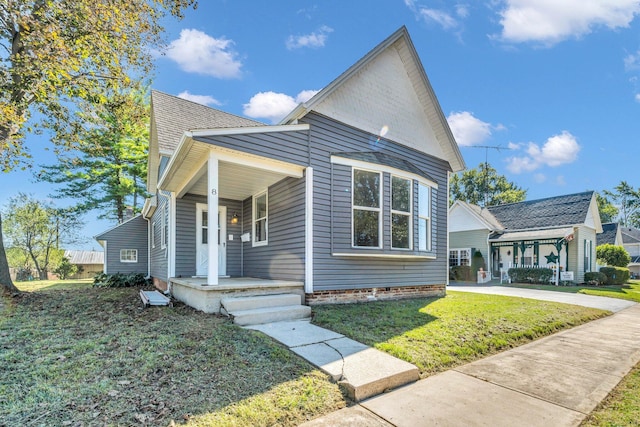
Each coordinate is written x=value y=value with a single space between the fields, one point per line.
x=385 y=160
x=630 y=235
x=608 y=235
x=173 y=116
x=556 y=211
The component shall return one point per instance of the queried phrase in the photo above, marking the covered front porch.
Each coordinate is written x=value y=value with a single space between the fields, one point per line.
x=199 y=294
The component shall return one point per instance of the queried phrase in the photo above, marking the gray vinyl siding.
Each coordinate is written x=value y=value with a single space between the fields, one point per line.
x=336 y=272
x=186 y=235
x=289 y=147
x=283 y=257
x=475 y=239
x=131 y=234
x=159 y=260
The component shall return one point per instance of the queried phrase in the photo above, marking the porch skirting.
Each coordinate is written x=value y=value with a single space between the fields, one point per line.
x=197 y=294
x=346 y=296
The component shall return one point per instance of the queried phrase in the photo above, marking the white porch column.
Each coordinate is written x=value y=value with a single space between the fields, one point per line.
x=308 y=238
x=212 y=229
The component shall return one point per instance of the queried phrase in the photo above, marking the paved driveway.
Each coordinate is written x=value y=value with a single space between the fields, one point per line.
x=603 y=303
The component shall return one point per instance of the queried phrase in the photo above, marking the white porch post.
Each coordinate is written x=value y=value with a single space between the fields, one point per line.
x=308 y=224
x=212 y=229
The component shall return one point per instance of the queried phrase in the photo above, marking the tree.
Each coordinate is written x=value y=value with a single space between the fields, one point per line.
x=612 y=255
x=65 y=269
x=484 y=187
x=38 y=229
x=106 y=171
x=5 y=277
x=628 y=200
x=608 y=211
x=58 y=53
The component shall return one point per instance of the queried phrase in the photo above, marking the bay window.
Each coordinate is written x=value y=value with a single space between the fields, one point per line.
x=366 y=208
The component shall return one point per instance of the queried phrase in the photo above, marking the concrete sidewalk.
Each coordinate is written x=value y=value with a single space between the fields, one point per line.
x=603 y=303
x=557 y=380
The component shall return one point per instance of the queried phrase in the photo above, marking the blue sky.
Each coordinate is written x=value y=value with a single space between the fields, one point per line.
x=556 y=85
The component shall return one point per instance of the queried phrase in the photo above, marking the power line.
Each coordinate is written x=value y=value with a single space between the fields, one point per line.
x=486 y=166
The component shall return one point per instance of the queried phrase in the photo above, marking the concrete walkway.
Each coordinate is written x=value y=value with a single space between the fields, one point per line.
x=362 y=371
x=557 y=380
x=603 y=303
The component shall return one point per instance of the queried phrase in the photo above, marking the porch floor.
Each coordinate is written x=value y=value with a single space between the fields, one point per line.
x=197 y=293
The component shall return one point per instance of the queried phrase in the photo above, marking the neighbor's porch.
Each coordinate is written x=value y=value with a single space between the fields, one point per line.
x=199 y=294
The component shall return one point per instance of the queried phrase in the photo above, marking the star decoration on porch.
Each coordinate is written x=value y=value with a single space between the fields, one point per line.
x=551 y=258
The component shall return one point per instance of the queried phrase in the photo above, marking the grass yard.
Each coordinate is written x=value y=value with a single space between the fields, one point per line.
x=52 y=285
x=630 y=291
x=439 y=334
x=73 y=355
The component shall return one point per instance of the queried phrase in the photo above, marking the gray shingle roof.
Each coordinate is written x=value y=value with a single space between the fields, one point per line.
x=630 y=235
x=556 y=211
x=608 y=235
x=385 y=160
x=173 y=116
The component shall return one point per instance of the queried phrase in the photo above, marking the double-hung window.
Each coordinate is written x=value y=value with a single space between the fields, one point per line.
x=401 y=202
x=260 y=219
x=424 y=218
x=459 y=257
x=366 y=208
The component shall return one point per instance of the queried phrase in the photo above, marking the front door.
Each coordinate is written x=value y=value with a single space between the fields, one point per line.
x=202 y=244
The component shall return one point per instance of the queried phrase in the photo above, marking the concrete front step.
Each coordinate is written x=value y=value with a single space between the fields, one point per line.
x=259 y=316
x=233 y=304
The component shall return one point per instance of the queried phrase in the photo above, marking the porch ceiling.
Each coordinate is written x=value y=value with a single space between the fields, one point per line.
x=237 y=182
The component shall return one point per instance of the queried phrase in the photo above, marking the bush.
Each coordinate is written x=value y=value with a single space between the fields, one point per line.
x=616 y=275
x=65 y=269
x=595 y=278
x=477 y=262
x=461 y=272
x=120 y=280
x=530 y=275
x=613 y=255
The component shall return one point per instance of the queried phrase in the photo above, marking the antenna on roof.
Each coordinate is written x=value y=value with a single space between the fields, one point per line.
x=486 y=166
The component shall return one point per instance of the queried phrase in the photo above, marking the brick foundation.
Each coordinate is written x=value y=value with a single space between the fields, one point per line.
x=347 y=296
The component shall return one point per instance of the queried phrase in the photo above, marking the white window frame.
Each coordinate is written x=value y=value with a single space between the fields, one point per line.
x=367 y=208
x=588 y=251
x=164 y=227
x=153 y=234
x=125 y=255
x=403 y=213
x=427 y=218
x=254 y=219
x=459 y=257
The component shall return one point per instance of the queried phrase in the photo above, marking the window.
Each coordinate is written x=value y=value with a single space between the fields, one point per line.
x=587 y=255
x=128 y=255
x=165 y=225
x=401 y=201
x=424 y=218
x=153 y=234
x=204 y=220
x=459 y=257
x=366 y=208
x=260 y=219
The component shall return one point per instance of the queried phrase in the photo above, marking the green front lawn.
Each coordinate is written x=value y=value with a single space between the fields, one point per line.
x=621 y=407
x=437 y=334
x=50 y=285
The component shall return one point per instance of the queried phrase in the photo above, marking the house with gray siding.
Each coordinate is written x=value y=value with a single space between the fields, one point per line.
x=344 y=200
x=556 y=231
x=126 y=247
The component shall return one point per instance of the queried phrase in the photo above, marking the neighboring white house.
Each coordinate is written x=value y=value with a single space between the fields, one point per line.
x=631 y=242
x=532 y=233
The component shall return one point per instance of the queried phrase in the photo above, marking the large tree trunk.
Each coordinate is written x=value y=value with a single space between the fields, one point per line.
x=5 y=278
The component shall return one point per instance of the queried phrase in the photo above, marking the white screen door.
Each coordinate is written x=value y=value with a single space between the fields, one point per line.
x=202 y=244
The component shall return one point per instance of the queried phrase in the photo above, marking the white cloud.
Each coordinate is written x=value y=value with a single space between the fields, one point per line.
x=467 y=129
x=444 y=18
x=200 y=99
x=313 y=40
x=197 y=52
x=274 y=106
x=637 y=97
x=560 y=180
x=632 y=61
x=551 y=21
x=539 y=178
x=557 y=150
